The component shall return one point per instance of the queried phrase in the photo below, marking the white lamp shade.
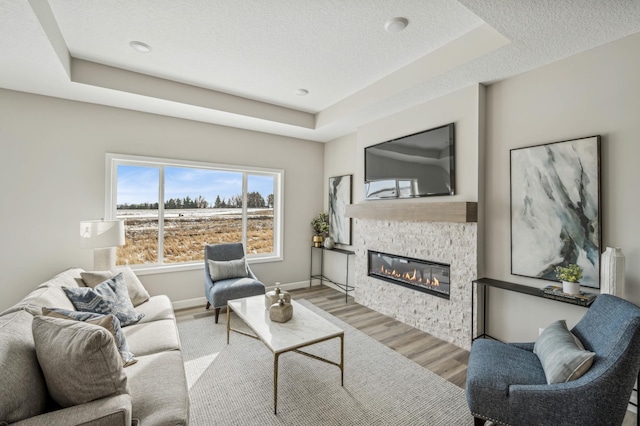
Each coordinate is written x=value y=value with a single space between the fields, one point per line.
x=101 y=233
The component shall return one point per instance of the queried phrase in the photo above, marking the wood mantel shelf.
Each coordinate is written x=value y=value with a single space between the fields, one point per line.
x=457 y=211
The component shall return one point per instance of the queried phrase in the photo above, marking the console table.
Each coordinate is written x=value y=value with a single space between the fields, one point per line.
x=504 y=285
x=344 y=286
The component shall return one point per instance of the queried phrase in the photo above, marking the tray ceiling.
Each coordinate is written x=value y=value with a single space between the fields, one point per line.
x=240 y=63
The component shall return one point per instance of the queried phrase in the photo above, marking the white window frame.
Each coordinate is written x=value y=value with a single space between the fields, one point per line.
x=112 y=161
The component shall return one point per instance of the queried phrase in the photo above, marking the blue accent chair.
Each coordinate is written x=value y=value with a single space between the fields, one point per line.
x=506 y=383
x=218 y=292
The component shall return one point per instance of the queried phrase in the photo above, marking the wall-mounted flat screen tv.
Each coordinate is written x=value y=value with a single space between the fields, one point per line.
x=417 y=165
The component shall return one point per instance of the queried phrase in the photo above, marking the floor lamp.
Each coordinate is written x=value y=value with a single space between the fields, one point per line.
x=102 y=236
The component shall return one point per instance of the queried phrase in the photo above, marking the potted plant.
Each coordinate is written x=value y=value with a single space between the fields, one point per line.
x=570 y=276
x=320 y=226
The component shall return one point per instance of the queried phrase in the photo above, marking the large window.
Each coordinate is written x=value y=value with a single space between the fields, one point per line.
x=172 y=209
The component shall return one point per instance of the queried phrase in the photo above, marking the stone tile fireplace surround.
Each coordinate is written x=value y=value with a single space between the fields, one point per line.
x=452 y=243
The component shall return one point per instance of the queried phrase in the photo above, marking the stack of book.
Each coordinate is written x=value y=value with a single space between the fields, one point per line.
x=555 y=292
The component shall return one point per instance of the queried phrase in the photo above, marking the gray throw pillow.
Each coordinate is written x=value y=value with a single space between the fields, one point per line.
x=80 y=362
x=223 y=270
x=109 y=297
x=137 y=293
x=561 y=354
x=23 y=391
x=110 y=322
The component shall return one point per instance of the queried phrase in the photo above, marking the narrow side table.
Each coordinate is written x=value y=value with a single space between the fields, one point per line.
x=344 y=286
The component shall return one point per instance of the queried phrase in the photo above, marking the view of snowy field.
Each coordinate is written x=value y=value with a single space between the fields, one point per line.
x=187 y=231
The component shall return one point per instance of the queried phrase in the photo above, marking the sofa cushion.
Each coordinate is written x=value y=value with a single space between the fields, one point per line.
x=561 y=354
x=152 y=337
x=223 y=270
x=137 y=293
x=23 y=392
x=159 y=393
x=156 y=308
x=40 y=298
x=110 y=322
x=79 y=360
x=109 y=297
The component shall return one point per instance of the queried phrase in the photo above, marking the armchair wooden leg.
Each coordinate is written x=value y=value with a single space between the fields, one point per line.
x=208 y=305
x=477 y=421
x=217 y=313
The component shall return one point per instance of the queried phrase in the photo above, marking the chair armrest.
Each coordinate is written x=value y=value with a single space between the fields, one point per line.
x=527 y=346
x=111 y=411
x=208 y=282
x=250 y=273
x=557 y=402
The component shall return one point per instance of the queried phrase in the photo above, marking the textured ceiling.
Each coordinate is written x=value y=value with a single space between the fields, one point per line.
x=239 y=63
x=265 y=49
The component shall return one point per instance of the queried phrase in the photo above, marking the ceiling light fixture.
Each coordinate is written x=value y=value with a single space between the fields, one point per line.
x=139 y=46
x=302 y=92
x=395 y=25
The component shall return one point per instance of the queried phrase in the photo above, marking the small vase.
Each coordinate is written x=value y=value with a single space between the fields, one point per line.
x=612 y=264
x=271 y=297
x=281 y=311
x=274 y=295
x=329 y=243
x=317 y=240
x=570 y=288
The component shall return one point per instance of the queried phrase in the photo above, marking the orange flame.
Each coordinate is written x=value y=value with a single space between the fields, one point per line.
x=411 y=277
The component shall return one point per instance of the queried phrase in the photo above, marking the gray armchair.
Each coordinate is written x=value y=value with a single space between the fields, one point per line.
x=219 y=291
x=506 y=383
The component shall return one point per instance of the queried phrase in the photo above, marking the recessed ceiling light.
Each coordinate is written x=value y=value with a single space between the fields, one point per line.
x=139 y=46
x=302 y=92
x=395 y=25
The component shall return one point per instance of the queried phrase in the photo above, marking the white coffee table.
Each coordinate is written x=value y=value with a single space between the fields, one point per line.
x=304 y=329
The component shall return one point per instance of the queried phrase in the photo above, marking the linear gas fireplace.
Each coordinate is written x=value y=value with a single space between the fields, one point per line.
x=417 y=274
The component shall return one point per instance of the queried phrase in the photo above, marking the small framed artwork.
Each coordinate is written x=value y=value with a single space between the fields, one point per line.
x=555 y=209
x=339 y=198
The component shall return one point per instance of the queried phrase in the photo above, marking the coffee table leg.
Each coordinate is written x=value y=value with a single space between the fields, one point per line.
x=228 y=322
x=275 y=383
x=342 y=360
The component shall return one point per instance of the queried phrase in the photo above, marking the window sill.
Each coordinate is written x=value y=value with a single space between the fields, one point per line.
x=167 y=269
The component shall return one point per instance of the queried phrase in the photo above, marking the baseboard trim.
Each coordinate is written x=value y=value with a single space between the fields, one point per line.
x=189 y=303
x=202 y=301
x=290 y=286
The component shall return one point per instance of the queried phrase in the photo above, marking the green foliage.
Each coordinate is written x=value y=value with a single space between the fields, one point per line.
x=320 y=224
x=571 y=273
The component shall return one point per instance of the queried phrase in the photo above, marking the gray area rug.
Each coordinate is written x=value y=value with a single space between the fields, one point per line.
x=233 y=384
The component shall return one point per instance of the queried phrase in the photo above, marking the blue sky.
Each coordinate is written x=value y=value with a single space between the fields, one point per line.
x=138 y=184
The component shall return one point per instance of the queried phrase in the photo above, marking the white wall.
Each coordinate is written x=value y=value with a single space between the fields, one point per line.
x=462 y=108
x=52 y=176
x=339 y=155
x=593 y=93
x=339 y=160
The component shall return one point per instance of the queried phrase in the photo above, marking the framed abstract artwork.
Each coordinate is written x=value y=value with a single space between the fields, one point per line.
x=339 y=198
x=555 y=209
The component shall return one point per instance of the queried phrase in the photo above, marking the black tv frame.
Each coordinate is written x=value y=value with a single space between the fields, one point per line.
x=452 y=174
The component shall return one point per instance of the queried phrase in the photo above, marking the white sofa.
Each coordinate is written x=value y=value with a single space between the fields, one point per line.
x=157 y=391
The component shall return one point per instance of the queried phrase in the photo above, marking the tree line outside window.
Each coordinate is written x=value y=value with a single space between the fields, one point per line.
x=254 y=200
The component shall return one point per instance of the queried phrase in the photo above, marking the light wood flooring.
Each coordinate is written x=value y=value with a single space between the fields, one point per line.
x=436 y=355
x=444 y=359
